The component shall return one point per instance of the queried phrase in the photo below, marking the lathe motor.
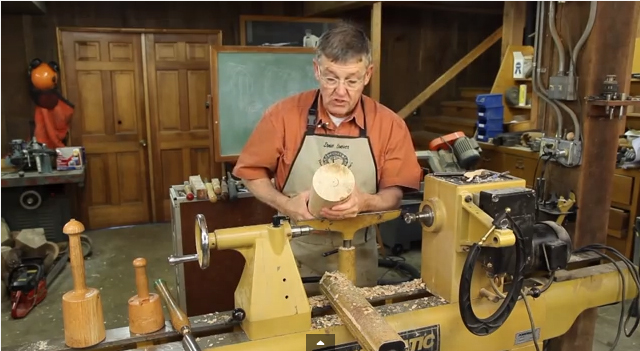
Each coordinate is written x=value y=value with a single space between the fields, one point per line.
x=547 y=246
x=489 y=223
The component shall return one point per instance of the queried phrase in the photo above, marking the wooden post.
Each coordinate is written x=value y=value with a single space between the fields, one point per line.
x=608 y=50
x=513 y=20
x=376 y=39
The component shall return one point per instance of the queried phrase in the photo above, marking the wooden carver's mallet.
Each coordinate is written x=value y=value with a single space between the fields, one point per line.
x=81 y=307
x=145 y=309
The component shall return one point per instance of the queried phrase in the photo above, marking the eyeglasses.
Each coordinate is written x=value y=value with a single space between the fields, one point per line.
x=333 y=82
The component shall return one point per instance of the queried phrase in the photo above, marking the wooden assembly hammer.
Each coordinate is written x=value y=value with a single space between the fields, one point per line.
x=179 y=319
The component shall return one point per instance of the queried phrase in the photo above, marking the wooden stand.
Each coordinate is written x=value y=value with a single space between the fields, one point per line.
x=332 y=184
x=81 y=307
x=145 y=309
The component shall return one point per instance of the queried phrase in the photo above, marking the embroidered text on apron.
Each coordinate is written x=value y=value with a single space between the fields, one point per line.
x=355 y=153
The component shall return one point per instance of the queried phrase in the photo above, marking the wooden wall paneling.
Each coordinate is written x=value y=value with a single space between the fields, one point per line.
x=103 y=76
x=376 y=38
x=17 y=107
x=178 y=72
x=419 y=45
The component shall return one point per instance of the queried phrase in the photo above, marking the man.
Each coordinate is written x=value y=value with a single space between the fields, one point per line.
x=335 y=123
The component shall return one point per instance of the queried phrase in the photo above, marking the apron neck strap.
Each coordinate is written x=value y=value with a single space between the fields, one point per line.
x=313 y=121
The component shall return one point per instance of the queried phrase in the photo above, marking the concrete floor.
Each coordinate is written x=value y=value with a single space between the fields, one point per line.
x=110 y=270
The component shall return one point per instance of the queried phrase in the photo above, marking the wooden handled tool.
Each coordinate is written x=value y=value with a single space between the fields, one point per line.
x=188 y=191
x=81 y=307
x=179 y=319
x=225 y=189
x=332 y=184
x=212 y=195
x=145 y=309
x=217 y=188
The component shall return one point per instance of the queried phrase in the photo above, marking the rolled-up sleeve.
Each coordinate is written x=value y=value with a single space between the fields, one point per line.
x=400 y=167
x=260 y=154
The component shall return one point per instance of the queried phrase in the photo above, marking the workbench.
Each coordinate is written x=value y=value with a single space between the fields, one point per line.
x=53 y=212
x=521 y=162
x=13 y=179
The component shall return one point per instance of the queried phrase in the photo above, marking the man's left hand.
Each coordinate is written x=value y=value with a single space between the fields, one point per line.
x=348 y=209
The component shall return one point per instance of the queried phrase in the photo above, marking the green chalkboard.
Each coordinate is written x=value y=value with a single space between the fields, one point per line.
x=248 y=82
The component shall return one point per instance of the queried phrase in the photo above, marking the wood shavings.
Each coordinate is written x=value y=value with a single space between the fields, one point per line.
x=374 y=292
x=213 y=318
x=332 y=320
x=425 y=302
x=42 y=345
x=325 y=322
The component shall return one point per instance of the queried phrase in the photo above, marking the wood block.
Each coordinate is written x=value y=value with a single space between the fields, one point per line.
x=33 y=238
x=332 y=183
x=198 y=187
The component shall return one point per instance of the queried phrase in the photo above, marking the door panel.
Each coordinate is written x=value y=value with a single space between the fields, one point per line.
x=179 y=85
x=103 y=76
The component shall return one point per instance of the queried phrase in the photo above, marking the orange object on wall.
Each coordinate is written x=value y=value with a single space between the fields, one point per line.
x=52 y=125
x=53 y=112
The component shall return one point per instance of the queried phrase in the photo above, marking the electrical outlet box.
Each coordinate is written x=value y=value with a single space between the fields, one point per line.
x=563 y=88
x=558 y=87
x=566 y=152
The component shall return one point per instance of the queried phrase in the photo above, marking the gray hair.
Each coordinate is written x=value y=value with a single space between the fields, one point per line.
x=343 y=44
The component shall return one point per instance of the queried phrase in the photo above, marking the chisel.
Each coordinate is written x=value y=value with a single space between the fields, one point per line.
x=179 y=319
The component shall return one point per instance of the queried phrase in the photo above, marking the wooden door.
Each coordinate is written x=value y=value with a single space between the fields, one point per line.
x=180 y=121
x=103 y=76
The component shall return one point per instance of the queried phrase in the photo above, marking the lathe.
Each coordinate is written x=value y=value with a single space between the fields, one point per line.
x=496 y=277
x=492 y=279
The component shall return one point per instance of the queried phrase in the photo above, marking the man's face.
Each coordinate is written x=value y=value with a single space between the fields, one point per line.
x=341 y=85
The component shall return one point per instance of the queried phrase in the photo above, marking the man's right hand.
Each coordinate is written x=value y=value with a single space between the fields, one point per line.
x=296 y=208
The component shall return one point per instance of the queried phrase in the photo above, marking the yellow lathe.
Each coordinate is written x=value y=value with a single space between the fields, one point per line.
x=492 y=279
x=496 y=269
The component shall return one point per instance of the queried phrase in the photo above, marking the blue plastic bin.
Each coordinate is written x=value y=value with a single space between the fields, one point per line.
x=487 y=101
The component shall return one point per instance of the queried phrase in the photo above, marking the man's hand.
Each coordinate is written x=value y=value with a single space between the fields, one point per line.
x=348 y=209
x=296 y=208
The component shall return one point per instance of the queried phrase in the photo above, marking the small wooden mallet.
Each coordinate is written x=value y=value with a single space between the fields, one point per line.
x=81 y=307
x=145 y=309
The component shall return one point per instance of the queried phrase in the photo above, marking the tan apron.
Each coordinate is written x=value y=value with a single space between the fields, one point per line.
x=355 y=153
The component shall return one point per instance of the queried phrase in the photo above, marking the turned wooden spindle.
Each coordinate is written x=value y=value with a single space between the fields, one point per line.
x=81 y=307
x=145 y=309
x=332 y=184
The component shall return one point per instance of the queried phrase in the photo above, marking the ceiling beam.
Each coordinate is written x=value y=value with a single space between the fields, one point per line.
x=328 y=8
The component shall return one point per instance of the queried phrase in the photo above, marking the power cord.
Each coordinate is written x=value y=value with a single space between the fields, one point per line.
x=634 y=309
x=533 y=325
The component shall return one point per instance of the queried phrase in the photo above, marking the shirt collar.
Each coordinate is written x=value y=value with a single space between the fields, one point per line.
x=358 y=114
